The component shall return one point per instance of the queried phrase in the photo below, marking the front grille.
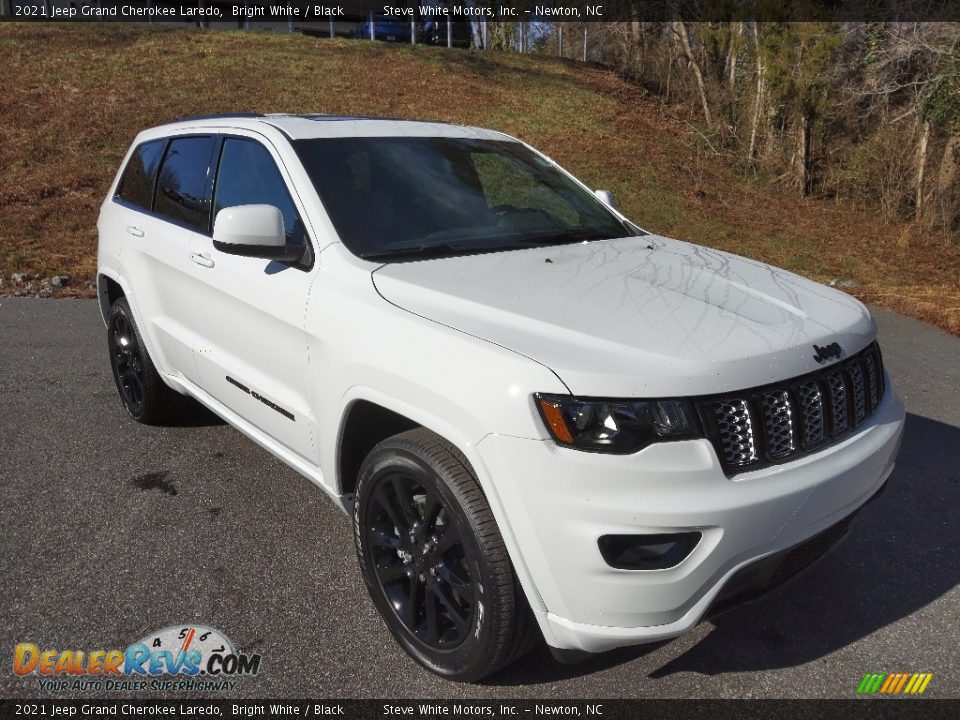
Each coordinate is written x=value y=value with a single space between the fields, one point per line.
x=773 y=424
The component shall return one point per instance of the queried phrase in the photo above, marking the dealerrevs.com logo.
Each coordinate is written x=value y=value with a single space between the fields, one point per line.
x=176 y=658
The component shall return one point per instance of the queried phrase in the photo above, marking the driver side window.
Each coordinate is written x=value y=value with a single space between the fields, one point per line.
x=248 y=176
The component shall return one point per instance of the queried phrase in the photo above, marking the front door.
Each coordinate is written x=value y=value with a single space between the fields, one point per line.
x=250 y=312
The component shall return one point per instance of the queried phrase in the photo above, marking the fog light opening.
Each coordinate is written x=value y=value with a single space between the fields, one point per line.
x=647 y=552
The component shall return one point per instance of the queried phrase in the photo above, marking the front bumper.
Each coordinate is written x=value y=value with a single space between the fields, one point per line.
x=558 y=502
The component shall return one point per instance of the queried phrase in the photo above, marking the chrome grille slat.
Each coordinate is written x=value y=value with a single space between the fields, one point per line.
x=811 y=407
x=736 y=432
x=873 y=382
x=755 y=427
x=858 y=393
x=778 y=424
x=838 y=402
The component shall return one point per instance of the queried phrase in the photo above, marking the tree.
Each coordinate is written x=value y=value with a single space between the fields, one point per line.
x=680 y=29
x=800 y=71
x=915 y=67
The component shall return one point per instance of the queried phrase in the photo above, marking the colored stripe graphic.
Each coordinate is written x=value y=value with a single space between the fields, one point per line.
x=888 y=683
x=870 y=683
x=894 y=683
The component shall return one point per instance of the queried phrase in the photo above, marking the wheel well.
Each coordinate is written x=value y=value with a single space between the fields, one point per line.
x=366 y=425
x=108 y=292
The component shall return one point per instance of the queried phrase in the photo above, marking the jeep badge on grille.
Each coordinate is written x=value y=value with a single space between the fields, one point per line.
x=826 y=352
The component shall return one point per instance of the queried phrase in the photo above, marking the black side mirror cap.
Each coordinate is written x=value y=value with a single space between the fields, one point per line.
x=282 y=253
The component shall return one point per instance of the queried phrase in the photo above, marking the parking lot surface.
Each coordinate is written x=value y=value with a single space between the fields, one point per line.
x=110 y=530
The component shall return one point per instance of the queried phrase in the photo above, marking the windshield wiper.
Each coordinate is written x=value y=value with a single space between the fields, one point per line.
x=435 y=250
x=432 y=250
x=563 y=237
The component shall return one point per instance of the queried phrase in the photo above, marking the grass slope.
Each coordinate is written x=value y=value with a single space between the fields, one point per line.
x=73 y=97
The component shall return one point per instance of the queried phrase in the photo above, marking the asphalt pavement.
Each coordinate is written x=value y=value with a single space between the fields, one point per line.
x=110 y=530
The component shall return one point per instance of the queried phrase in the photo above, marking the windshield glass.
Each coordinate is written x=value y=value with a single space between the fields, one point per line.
x=396 y=198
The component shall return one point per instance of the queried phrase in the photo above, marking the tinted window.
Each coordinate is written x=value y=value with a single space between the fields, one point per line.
x=249 y=176
x=136 y=185
x=182 y=187
x=410 y=196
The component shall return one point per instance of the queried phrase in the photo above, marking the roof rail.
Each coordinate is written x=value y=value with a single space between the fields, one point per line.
x=220 y=116
x=322 y=117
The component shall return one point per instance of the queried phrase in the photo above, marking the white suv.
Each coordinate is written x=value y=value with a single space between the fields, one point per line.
x=544 y=419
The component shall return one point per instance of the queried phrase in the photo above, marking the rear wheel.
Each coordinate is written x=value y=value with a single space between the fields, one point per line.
x=143 y=393
x=434 y=561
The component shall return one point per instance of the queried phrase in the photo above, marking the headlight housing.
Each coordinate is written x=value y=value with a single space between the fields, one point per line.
x=616 y=426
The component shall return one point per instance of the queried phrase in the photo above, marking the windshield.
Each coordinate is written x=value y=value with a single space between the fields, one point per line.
x=397 y=198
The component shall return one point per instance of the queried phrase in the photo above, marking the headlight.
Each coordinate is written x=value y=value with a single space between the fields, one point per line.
x=615 y=426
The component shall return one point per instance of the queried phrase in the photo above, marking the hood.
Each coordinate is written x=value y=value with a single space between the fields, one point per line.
x=636 y=317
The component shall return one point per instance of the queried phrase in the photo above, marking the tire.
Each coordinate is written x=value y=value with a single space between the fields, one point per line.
x=434 y=561
x=144 y=395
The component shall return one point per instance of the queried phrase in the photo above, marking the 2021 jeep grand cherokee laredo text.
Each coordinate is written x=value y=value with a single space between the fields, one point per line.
x=541 y=416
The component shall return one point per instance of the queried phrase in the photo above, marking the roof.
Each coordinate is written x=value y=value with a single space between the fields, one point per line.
x=302 y=127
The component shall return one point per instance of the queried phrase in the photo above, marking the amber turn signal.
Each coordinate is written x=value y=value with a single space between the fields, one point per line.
x=553 y=415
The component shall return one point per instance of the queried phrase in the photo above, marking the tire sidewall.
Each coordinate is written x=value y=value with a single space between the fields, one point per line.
x=122 y=308
x=465 y=660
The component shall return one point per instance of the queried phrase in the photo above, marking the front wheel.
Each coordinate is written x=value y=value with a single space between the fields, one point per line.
x=434 y=561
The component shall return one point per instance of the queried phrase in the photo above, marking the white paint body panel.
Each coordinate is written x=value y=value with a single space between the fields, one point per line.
x=636 y=317
x=249 y=225
x=460 y=345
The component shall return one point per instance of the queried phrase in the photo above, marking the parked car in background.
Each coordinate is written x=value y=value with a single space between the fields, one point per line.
x=384 y=28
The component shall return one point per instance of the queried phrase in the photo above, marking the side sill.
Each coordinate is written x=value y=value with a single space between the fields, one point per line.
x=301 y=465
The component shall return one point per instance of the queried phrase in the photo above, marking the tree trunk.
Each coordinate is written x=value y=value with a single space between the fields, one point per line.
x=803 y=155
x=949 y=165
x=947 y=192
x=475 y=37
x=669 y=77
x=636 y=64
x=758 y=98
x=681 y=30
x=732 y=54
x=921 y=168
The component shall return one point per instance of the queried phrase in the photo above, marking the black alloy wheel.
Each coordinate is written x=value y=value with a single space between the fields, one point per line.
x=421 y=561
x=433 y=559
x=125 y=354
x=145 y=396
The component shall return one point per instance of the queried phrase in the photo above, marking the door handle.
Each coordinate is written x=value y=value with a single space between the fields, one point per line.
x=134 y=230
x=202 y=259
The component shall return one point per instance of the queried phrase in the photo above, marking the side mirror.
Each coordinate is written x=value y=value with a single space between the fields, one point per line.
x=254 y=231
x=607 y=198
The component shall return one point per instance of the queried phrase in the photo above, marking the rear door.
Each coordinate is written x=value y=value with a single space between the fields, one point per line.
x=249 y=311
x=167 y=200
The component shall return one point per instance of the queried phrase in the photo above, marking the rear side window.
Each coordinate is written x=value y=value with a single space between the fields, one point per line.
x=249 y=176
x=183 y=187
x=136 y=185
